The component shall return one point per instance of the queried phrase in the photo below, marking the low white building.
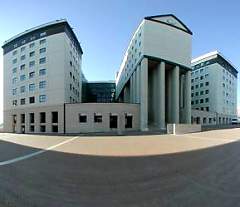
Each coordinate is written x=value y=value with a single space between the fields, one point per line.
x=213 y=89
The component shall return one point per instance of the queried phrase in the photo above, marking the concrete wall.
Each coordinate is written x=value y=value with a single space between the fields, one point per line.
x=183 y=128
x=89 y=109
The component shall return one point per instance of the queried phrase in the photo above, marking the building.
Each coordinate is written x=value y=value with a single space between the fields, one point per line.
x=213 y=89
x=156 y=72
x=42 y=70
x=99 y=92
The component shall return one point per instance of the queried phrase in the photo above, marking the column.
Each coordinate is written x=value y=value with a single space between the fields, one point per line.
x=161 y=95
x=131 y=89
x=144 y=95
x=187 y=98
x=175 y=95
x=138 y=84
x=134 y=87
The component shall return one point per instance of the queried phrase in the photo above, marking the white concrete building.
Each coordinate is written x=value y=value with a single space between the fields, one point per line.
x=42 y=68
x=156 y=72
x=214 y=89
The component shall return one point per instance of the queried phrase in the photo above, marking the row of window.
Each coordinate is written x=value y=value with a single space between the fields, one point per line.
x=41 y=98
x=31 y=87
x=31 y=63
x=202 y=108
x=201 y=93
x=201 y=85
x=31 y=54
x=200 y=101
x=31 y=75
x=31 y=45
x=200 y=78
x=210 y=120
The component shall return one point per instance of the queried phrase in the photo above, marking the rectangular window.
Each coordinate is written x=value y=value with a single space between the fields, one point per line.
x=22 y=49
x=82 y=118
x=97 y=118
x=42 y=84
x=207 y=83
x=31 y=87
x=42 y=60
x=201 y=100
x=42 y=98
x=23 y=57
x=22 y=118
x=14 y=102
x=31 y=118
x=32 y=100
x=14 y=80
x=22 y=101
x=43 y=128
x=42 y=41
x=14 y=52
x=202 y=92
x=128 y=121
x=14 y=70
x=43 y=34
x=31 y=128
x=31 y=75
x=54 y=128
x=201 y=84
x=22 y=89
x=207 y=91
x=31 y=63
x=42 y=117
x=31 y=54
x=22 y=67
x=42 y=50
x=113 y=121
x=42 y=72
x=14 y=91
x=14 y=61
x=54 y=117
x=22 y=77
x=32 y=45
x=207 y=108
x=206 y=100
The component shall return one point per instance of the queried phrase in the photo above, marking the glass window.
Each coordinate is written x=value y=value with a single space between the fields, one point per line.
x=82 y=118
x=14 y=52
x=14 y=70
x=97 y=118
x=207 y=83
x=42 y=41
x=31 y=54
x=22 y=89
x=22 y=77
x=42 y=72
x=31 y=99
x=201 y=84
x=22 y=101
x=14 y=91
x=14 y=80
x=207 y=91
x=42 y=50
x=32 y=45
x=31 y=87
x=206 y=100
x=31 y=75
x=22 y=67
x=14 y=102
x=43 y=34
x=42 y=98
x=14 y=61
x=31 y=63
x=42 y=60
x=23 y=57
x=42 y=84
x=22 y=49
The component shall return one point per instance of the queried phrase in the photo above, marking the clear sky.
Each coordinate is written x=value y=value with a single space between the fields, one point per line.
x=104 y=27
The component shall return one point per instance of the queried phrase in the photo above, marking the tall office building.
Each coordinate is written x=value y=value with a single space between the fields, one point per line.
x=214 y=88
x=42 y=69
x=156 y=72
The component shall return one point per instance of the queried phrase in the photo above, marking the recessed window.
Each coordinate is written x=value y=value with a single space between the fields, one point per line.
x=22 y=118
x=82 y=118
x=42 y=50
x=42 y=117
x=14 y=61
x=201 y=100
x=43 y=34
x=42 y=84
x=55 y=128
x=31 y=63
x=14 y=102
x=42 y=98
x=207 y=91
x=43 y=128
x=14 y=80
x=14 y=52
x=14 y=70
x=22 y=101
x=31 y=118
x=22 y=89
x=31 y=75
x=128 y=121
x=54 y=117
x=207 y=83
x=32 y=100
x=201 y=84
x=113 y=121
x=97 y=118
x=31 y=87
x=22 y=49
x=22 y=77
x=31 y=54
x=42 y=72
x=42 y=60
x=14 y=91
x=206 y=100
x=202 y=92
x=23 y=57
x=42 y=41
x=32 y=45
x=196 y=94
x=22 y=67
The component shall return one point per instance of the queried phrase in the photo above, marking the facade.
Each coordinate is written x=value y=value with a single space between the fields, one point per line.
x=213 y=89
x=42 y=68
x=156 y=72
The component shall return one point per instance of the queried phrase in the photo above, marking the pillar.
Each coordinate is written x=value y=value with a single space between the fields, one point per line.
x=161 y=95
x=187 y=98
x=134 y=87
x=131 y=89
x=175 y=95
x=138 y=77
x=144 y=95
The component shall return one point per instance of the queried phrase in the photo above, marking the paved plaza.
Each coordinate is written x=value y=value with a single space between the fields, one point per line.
x=198 y=169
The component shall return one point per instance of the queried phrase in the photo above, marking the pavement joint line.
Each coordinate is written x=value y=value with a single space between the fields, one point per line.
x=24 y=157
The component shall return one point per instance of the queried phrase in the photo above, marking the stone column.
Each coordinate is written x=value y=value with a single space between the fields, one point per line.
x=131 y=89
x=144 y=95
x=175 y=95
x=138 y=84
x=134 y=87
x=161 y=95
x=187 y=98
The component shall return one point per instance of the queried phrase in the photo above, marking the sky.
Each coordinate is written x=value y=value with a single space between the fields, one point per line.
x=104 y=27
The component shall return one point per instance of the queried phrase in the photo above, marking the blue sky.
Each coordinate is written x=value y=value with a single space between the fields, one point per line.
x=104 y=27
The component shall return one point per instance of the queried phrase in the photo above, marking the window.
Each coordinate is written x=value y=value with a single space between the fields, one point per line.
x=54 y=117
x=207 y=108
x=31 y=128
x=43 y=128
x=201 y=84
x=201 y=78
x=97 y=118
x=42 y=117
x=42 y=72
x=202 y=109
x=14 y=91
x=54 y=128
x=31 y=75
x=14 y=102
x=204 y=120
x=82 y=118
x=192 y=87
x=42 y=60
x=196 y=86
x=22 y=101
x=192 y=102
x=42 y=41
x=42 y=84
x=207 y=83
x=22 y=77
x=31 y=63
x=42 y=98
x=31 y=54
x=14 y=61
x=128 y=121
x=202 y=92
x=23 y=57
x=206 y=100
x=14 y=52
x=14 y=70
x=32 y=100
x=196 y=101
x=196 y=94
x=201 y=100
x=31 y=118
x=113 y=121
x=22 y=67
x=22 y=118
x=22 y=89
x=32 y=45
x=43 y=34
x=207 y=91
x=31 y=87
x=192 y=95
x=22 y=49
x=14 y=80
x=42 y=50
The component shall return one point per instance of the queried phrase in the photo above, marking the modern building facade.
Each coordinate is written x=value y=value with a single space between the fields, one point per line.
x=213 y=89
x=156 y=72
